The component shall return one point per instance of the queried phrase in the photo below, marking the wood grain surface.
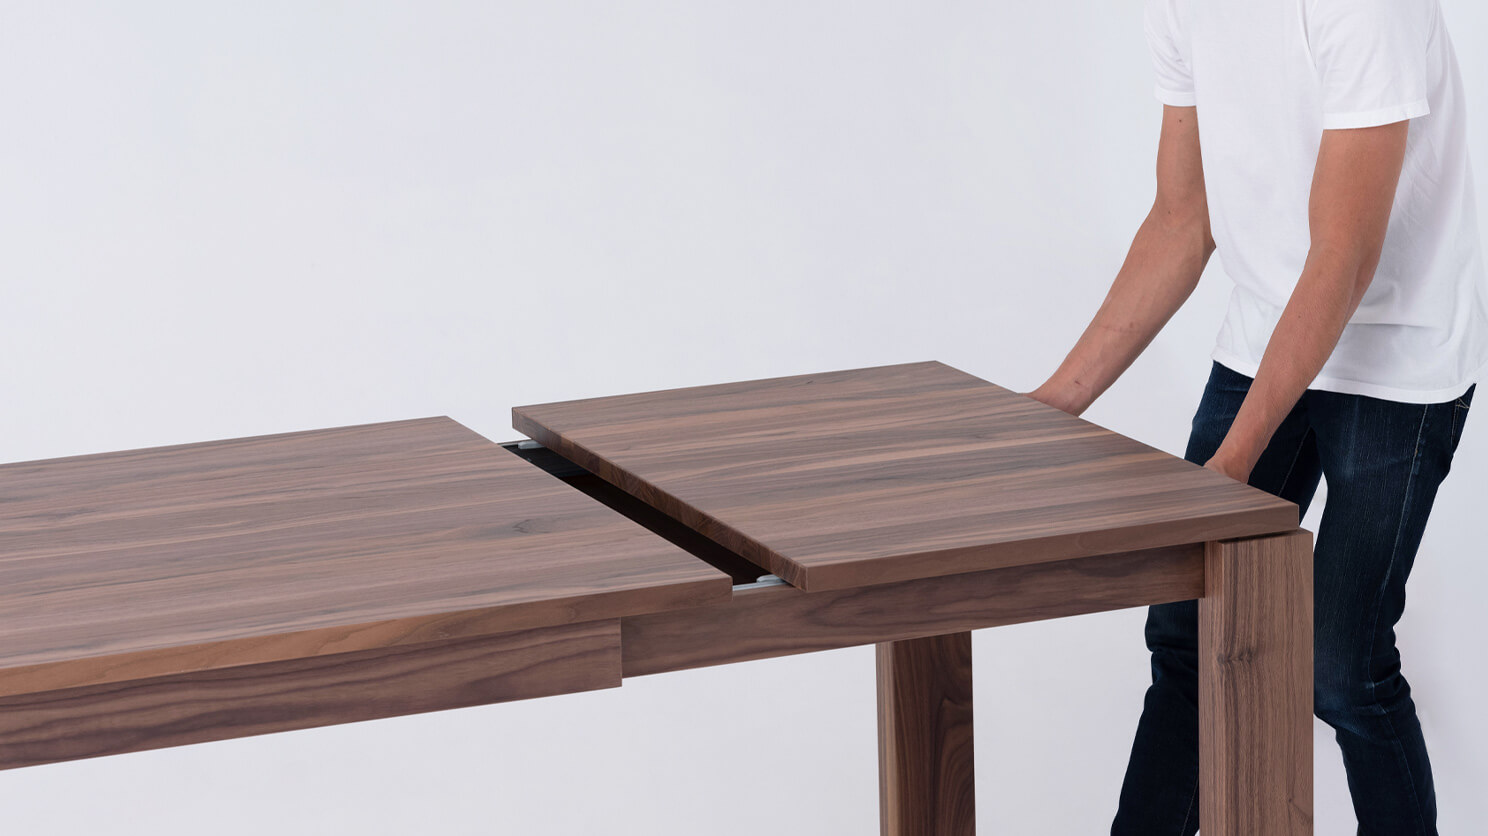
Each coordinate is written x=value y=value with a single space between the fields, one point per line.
x=1255 y=687
x=926 y=779
x=234 y=702
x=159 y=561
x=779 y=620
x=891 y=473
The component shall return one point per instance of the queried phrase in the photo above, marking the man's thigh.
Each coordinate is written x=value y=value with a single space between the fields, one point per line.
x=1383 y=461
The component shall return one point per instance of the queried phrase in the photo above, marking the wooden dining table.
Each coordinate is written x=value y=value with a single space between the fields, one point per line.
x=173 y=595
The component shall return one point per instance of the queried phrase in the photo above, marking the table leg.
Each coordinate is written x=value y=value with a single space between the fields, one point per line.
x=1255 y=687
x=925 y=780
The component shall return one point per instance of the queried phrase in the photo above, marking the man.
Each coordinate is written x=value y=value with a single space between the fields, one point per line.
x=1334 y=183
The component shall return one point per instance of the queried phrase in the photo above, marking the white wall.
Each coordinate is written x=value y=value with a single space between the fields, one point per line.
x=225 y=219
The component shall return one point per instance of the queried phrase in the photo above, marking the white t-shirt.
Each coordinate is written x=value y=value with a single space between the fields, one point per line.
x=1268 y=77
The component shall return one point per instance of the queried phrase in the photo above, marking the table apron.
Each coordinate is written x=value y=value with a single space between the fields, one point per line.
x=780 y=620
x=222 y=703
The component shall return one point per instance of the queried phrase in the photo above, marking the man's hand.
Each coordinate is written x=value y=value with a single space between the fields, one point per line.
x=1223 y=462
x=1062 y=399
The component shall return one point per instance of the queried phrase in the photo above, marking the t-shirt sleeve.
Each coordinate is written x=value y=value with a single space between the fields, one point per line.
x=1174 y=81
x=1371 y=59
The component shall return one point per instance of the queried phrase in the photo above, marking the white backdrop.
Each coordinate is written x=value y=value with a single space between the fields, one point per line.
x=227 y=219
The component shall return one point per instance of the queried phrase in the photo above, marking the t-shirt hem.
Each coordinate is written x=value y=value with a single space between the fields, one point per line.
x=1378 y=116
x=1176 y=98
x=1357 y=387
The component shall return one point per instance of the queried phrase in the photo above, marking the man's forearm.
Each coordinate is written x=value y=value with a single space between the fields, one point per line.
x=1349 y=210
x=1161 y=269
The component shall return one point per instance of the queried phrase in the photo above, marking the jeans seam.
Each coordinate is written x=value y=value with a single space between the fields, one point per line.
x=1293 y=466
x=1188 y=814
x=1410 y=485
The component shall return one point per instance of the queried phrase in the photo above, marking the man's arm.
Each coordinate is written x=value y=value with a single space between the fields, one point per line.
x=1353 y=188
x=1161 y=269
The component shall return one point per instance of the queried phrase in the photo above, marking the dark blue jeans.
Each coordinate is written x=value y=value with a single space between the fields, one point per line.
x=1383 y=461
